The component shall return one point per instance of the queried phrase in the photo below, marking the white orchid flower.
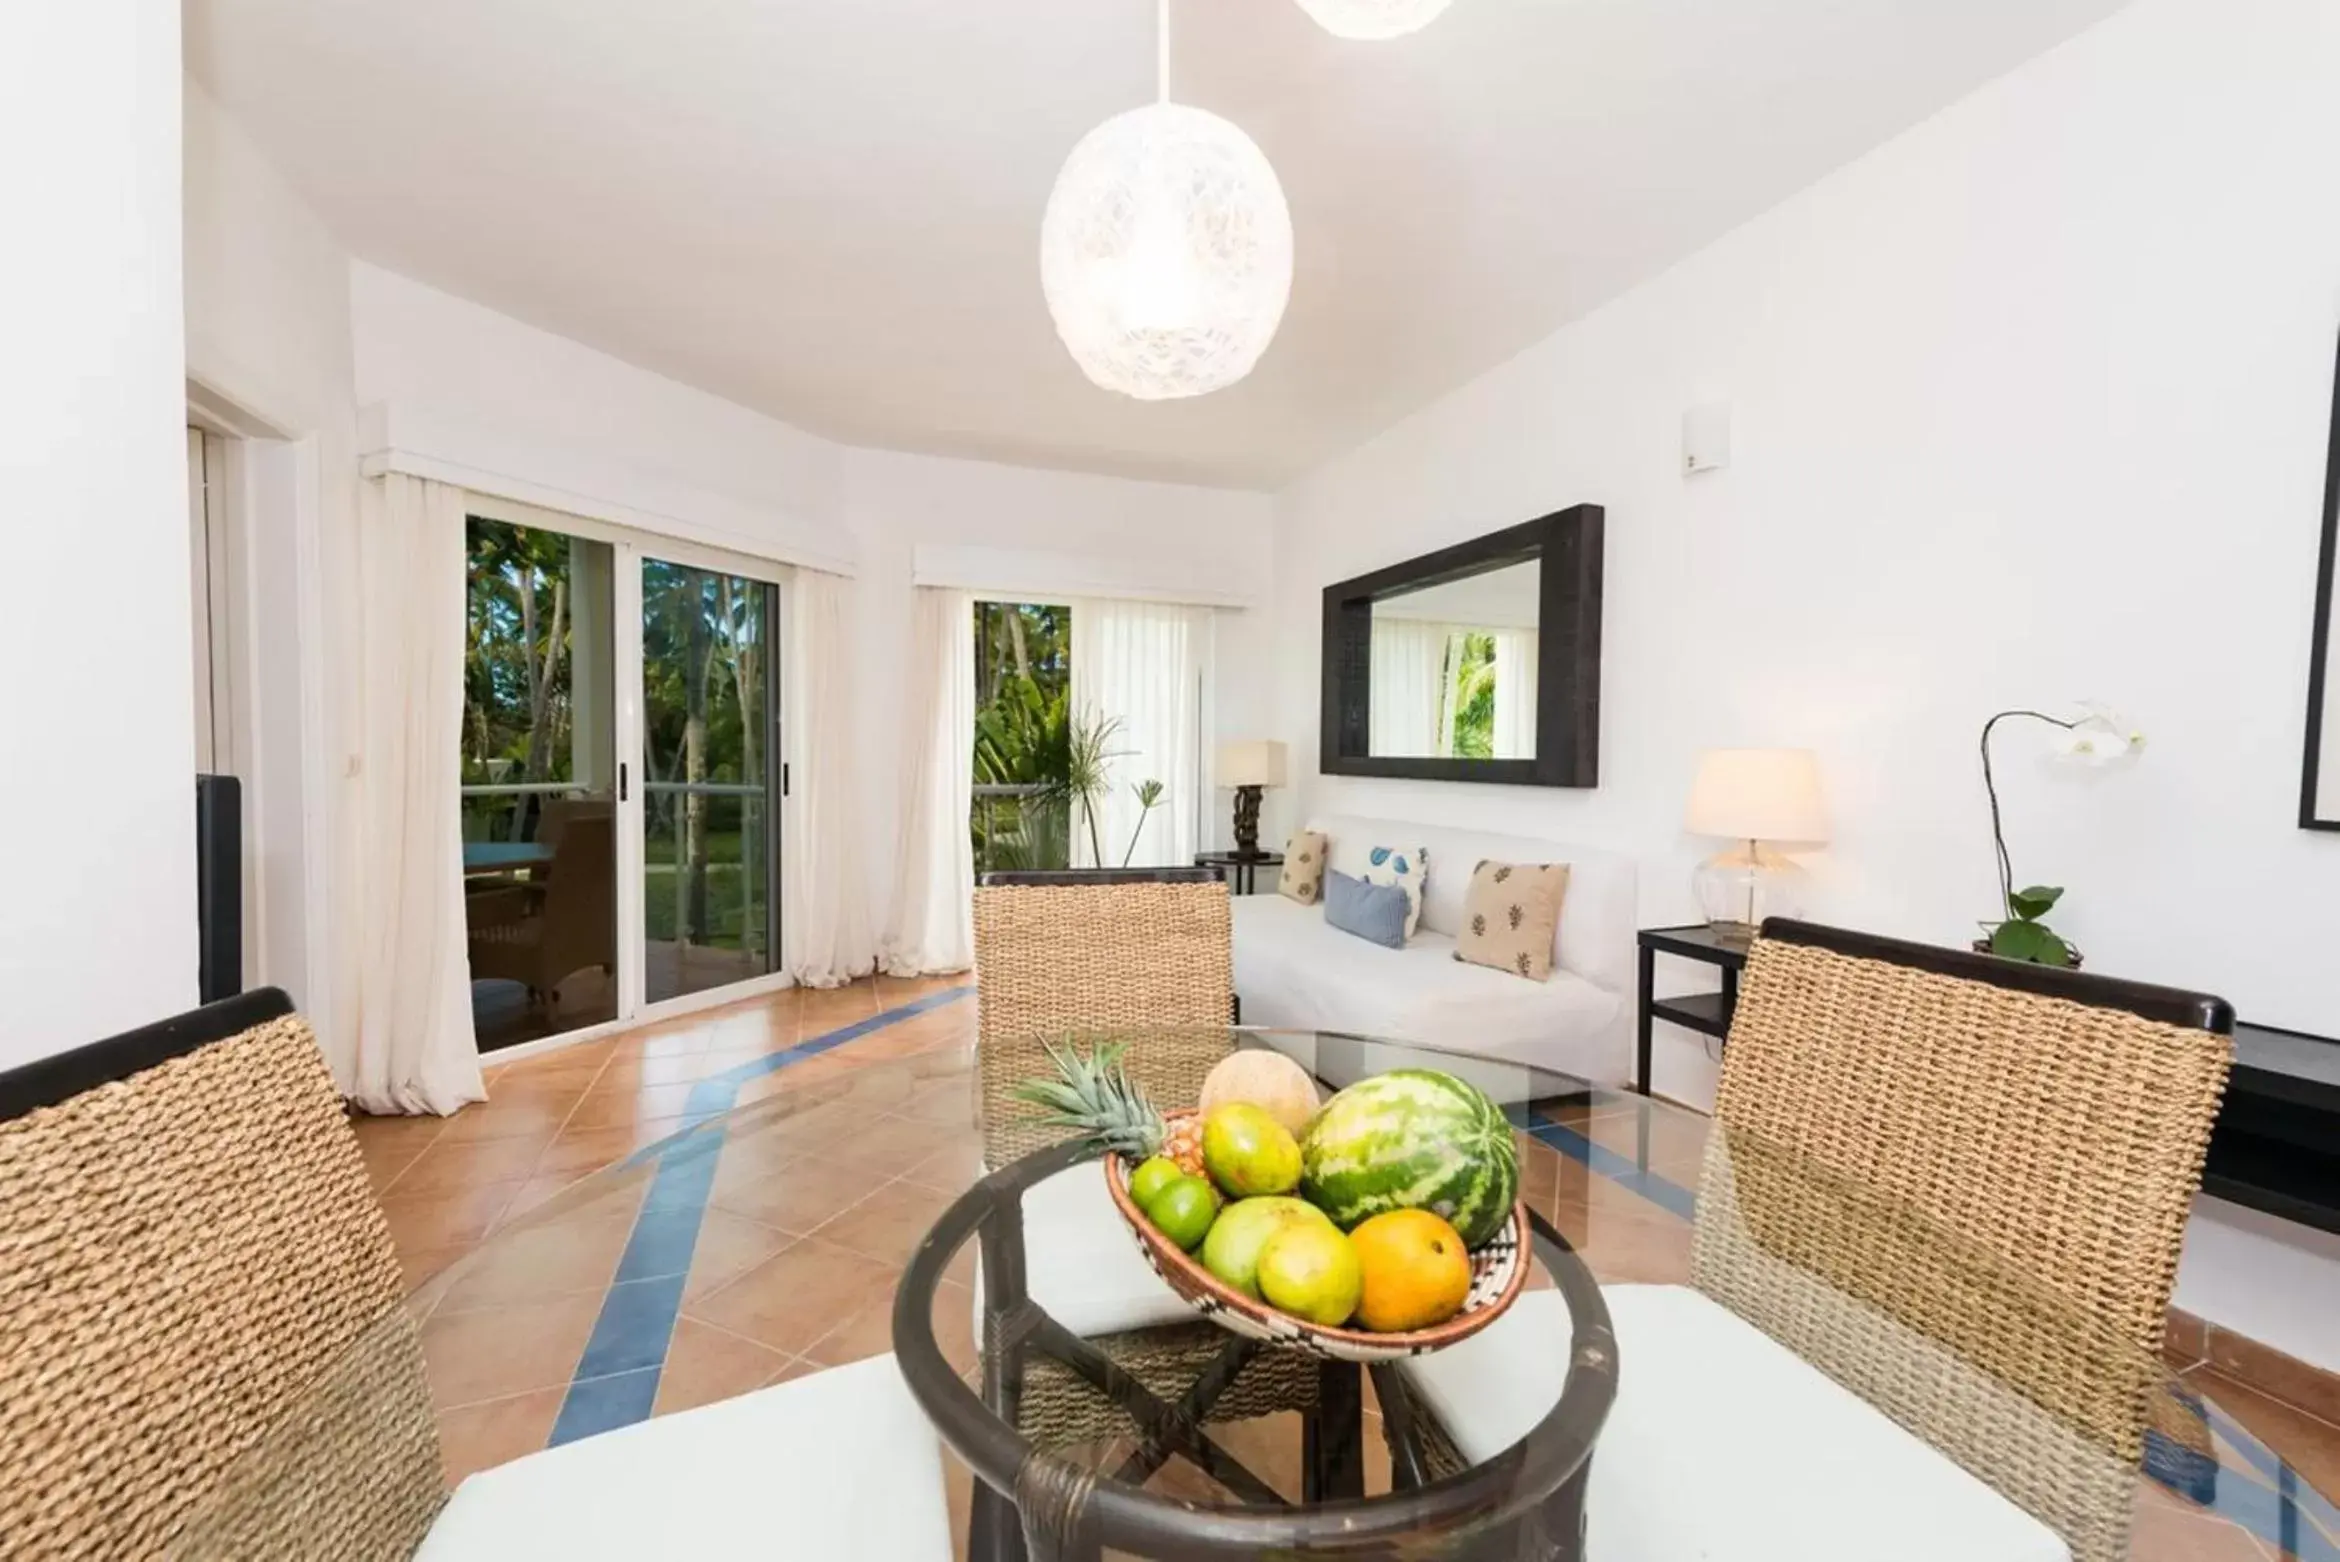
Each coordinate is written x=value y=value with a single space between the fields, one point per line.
x=2099 y=737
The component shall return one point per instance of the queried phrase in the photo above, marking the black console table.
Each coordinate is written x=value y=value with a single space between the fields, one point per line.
x=2276 y=1146
x=1709 y=1014
x=1241 y=871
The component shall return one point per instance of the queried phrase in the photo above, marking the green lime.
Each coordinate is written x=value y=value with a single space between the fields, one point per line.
x=1311 y=1272
x=1232 y=1249
x=1151 y=1177
x=1184 y=1211
x=1248 y=1153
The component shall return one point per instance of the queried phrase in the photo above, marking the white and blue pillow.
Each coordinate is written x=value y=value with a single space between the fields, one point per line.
x=1406 y=867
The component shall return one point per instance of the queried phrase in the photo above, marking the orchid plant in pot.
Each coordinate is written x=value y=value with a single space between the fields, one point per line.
x=2094 y=739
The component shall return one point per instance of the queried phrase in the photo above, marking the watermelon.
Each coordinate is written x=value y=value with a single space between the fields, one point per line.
x=1413 y=1138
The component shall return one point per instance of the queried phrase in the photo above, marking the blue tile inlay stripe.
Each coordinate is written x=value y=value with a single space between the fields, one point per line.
x=616 y=1380
x=1669 y=1196
x=605 y=1404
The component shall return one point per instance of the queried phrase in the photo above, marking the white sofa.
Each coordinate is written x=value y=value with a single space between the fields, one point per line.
x=1293 y=971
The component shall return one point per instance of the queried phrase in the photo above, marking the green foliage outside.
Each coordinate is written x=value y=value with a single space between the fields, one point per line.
x=516 y=671
x=1023 y=735
x=1471 y=696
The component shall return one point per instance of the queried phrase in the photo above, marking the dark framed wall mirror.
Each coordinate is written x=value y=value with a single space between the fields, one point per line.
x=2319 y=784
x=1480 y=662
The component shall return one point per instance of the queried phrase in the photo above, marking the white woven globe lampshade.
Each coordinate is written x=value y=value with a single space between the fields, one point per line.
x=1374 y=19
x=1166 y=253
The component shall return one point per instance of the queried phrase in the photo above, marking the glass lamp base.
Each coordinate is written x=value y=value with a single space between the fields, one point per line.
x=1737 y=889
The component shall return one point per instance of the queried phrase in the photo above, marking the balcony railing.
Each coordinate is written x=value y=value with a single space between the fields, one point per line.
x=1014 y=828
x=729 y=906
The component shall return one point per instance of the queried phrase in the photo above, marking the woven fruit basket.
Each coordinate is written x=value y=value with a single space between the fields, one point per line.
x=1499 y=1271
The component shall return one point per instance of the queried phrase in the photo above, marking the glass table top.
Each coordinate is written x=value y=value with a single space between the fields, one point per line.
x=771 y=1238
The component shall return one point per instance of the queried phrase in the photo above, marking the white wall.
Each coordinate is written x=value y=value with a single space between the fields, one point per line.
x=267 y=304
x=554 y=413
x=97 y=931
x=2032 y=405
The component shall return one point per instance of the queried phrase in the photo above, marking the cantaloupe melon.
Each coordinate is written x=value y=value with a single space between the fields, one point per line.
x=1265 y=1079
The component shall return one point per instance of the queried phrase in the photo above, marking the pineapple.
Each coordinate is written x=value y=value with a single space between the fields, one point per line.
x=1095 y=1097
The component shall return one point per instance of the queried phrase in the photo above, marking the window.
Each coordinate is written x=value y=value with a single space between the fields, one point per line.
x=1023 y=735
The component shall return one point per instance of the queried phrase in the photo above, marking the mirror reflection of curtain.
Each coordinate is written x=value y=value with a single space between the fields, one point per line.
x=1515 y=694
x=1411 y=719
x=1140 y=663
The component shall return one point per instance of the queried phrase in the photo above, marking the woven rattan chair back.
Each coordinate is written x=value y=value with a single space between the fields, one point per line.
x=1063 y=957
x=191 y=1248
x=1959 y=1186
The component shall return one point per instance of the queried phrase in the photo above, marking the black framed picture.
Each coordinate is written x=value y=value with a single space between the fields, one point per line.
x=2319 y=785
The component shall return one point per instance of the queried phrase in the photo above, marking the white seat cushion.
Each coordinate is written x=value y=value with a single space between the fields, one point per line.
x=1723 y=1445
x=1082 y=1265
x=841 y=1464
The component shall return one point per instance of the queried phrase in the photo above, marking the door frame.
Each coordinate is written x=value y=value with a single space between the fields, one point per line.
x=629 y=548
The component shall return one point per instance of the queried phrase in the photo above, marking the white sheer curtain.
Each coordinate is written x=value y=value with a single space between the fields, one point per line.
x=1140 y=663
x=1409 y=687
x=825 y=933
x=931 y=927
x=1515 y=694
x=408 y=1044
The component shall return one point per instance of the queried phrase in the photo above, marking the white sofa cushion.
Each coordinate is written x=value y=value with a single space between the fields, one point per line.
x=1723 y=1445
x=1081 y=1264
x=1295 y=971
x=841 y=1464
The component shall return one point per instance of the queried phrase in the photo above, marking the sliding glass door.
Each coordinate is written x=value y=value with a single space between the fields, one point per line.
x=621 y=773
x=540 y=782
x=710 y=845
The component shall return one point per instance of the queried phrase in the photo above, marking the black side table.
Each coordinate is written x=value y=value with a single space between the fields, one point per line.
x=1709 y=1014
x=1240 y=872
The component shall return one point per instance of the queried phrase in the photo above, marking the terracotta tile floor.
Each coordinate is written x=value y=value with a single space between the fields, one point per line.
x=800 y=1231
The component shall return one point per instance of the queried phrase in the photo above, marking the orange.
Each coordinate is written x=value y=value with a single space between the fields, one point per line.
x=1416 y=1271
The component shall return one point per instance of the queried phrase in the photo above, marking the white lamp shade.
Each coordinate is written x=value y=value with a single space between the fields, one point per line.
x=1251 y=764
x=1373 y=19
x=1166 y=253
x=1758 y=794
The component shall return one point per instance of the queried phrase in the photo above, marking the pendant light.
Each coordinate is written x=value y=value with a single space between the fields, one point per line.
x=1166 y=249
x=1374 y=19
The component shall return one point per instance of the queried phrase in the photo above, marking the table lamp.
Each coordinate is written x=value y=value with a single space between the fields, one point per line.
x=1754 y=796
x=1249 y=768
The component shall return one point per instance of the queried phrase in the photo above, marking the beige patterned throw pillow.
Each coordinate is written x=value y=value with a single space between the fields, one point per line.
x=1510 y=913
x=1303 y=878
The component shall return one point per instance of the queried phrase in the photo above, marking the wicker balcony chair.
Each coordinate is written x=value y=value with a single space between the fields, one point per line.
x=205 y=1352
x=1958 y=1186
x=1077 y=955
x=541 y=934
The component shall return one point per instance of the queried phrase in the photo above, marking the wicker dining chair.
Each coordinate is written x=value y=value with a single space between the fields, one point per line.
x=205 y=1354
x=1957 y=1185
x=1068 y=957
x=192 y=1244
x=1937 y=1156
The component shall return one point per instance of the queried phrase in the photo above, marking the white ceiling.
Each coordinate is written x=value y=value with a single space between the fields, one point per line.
x=829 y=209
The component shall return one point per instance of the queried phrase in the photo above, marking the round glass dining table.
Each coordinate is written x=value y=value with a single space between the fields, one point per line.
x=1722 y=1347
